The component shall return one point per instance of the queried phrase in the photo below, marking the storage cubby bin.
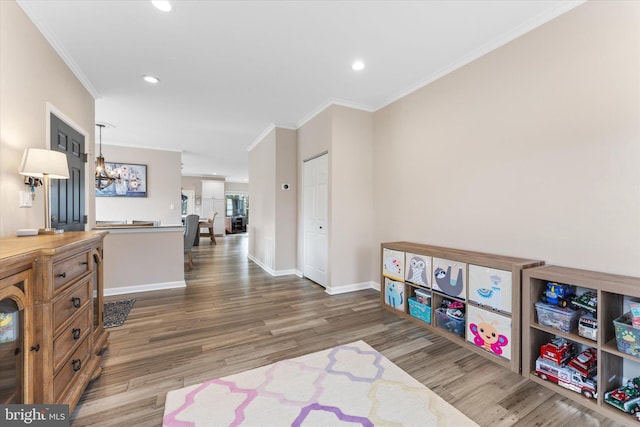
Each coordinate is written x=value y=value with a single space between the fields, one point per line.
x=394 y=294
x=564 y=319
x=450 y=277
x=490 y=287
x=393 y=264
x=448 y=323
x=418 y=269
x=489 y=331
x=419 y=310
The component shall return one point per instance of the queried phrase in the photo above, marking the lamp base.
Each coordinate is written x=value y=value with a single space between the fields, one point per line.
x=49 y=231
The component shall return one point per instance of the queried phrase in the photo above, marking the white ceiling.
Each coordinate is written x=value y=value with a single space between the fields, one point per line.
x=231 y=69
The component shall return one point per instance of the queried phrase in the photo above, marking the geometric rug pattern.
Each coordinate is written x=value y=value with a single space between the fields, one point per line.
x=115 y=313
x=348 y=385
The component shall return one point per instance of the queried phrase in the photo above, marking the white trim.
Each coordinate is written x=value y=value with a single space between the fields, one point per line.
x=330 y=102
x=271 y=271
x=503 y=39
x=376 y=286
x=145 y=288
x=299 y=273
x=265 y=132
x=260 y=137
x=350 y=288
x=59 y=48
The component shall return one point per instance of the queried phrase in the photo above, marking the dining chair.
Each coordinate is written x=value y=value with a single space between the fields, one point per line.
x=208 y=224
x=190 y=231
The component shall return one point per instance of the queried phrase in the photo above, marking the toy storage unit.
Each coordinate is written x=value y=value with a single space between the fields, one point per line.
x=485 y=288
x=616 y=339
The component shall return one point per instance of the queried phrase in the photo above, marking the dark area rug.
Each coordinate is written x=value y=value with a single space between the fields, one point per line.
x=115 y=313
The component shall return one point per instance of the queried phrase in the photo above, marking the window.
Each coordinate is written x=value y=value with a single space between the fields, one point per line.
x=237 y=204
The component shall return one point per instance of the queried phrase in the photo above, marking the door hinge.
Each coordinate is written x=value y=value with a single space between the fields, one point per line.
x=85 y=219
x=85 y=157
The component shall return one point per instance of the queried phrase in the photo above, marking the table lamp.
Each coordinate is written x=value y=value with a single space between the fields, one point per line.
x=45 y=164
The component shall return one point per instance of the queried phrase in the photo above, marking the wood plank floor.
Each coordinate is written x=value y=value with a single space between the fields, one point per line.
x=233 y=316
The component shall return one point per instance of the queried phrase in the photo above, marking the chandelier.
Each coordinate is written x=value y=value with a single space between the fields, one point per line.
x=103 y=177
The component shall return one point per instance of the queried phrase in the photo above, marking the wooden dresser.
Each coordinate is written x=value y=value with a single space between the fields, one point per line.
x=56 y=285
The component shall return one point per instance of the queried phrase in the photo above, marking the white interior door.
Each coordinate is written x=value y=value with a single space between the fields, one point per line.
x=315 y=191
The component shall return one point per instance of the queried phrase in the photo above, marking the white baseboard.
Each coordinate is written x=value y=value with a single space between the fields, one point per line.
x=145 y=288
x=270 y=270
x=350 y=288
x=331 y=291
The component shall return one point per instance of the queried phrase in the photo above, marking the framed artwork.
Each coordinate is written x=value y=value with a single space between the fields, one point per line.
x=131 y=181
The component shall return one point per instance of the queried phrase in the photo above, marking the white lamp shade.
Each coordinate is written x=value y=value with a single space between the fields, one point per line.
x=37 y=162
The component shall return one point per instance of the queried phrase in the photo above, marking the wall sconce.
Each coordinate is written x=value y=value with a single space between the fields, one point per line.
x=32 y=182
x=45 y=164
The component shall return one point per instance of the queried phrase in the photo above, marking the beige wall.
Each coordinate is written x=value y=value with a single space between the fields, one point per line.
x=262 y=197
x=143 y=260
x=532 y=150
x=351 y=197
x=347 y=135
x=286 y=206
x=32 y=75
x=272 y=230
x=163 y=187
x=240 y=187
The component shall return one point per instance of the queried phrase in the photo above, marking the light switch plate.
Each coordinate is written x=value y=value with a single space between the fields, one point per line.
x=25 y=199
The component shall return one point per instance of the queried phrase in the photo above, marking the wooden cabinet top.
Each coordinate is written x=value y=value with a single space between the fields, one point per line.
x=47 y=244
x=470 y=257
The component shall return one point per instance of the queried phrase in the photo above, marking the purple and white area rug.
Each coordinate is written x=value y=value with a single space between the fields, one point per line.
x=349 y=385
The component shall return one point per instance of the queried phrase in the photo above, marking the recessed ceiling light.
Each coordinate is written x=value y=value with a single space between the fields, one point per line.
x=357 y=66
x=162 y=5
x=151 y=79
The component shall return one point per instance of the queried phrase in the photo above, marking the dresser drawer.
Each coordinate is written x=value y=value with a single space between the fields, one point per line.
x=70 y=302
x=70 y=336
x=71 y=369
x=66 y=270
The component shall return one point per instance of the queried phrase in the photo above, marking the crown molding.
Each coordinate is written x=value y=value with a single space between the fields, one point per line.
x=59 y=48
x=505 y=38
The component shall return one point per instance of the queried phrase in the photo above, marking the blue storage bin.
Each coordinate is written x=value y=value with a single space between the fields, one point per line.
x=419 y=311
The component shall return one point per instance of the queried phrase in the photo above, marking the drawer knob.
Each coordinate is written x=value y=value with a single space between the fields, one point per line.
x=35 y=347
x=63 y=274
x=84 y=263
x=77 y=364
x=75 y=301
x=76 y=333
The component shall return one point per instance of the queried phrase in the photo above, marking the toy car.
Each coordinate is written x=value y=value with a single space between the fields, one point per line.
x=625 y=398
x=585 y=363
x=558 y=351
x=566 y=377
x=557 y=294
x=588 y=301
x=588 y=327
